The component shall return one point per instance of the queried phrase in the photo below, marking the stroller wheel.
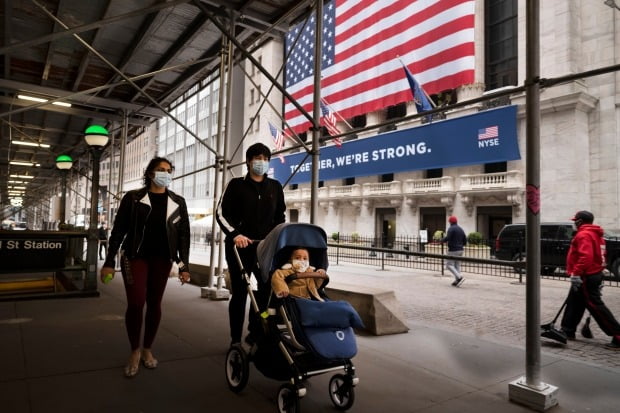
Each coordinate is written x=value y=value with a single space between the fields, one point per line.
x=288 y=400
x=341 y=391
x=237 y=368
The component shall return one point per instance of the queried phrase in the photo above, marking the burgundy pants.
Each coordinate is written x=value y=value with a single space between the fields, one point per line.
x=145 y=282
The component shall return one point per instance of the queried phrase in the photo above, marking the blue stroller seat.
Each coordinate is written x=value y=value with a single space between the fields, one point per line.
x=300 y=338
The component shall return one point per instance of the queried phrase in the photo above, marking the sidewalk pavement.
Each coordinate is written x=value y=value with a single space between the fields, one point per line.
x=67 y=355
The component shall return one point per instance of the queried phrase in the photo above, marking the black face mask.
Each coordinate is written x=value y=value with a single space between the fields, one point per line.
x=578 y=223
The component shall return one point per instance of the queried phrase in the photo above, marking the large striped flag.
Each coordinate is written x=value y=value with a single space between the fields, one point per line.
x=278 y=138
x=329 y=121
x=361 y=40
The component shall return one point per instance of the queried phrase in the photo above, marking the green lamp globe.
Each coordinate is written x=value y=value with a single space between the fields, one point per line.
x=64 y=162
x=96 y=135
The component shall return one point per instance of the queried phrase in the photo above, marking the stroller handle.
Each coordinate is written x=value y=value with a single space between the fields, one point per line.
x=309 y=274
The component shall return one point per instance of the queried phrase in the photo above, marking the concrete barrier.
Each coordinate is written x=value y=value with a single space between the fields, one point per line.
x=378 y=308
x=200 y=274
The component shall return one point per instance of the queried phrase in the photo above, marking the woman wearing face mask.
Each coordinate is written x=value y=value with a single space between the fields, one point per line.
x=152 y=224
x=249 y=209
x=306 y=286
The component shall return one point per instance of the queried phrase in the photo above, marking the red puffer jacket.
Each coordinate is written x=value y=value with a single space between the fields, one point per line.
x=586 y=255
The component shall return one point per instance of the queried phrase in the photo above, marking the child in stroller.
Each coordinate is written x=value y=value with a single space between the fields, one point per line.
x=298 y=277
x=300 y=337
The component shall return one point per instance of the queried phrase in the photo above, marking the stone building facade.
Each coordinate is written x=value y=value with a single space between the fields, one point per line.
x=579 y=144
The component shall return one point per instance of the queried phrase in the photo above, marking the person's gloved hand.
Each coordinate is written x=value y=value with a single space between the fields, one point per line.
x=575 y=282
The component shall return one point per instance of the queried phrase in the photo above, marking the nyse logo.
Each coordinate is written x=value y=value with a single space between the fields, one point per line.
x=488 y=137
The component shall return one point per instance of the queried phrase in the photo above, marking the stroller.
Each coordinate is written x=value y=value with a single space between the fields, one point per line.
x=292 y=345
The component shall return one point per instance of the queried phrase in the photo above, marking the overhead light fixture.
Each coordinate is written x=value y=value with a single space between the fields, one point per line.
x=96 y=136
x=19 y=163
x=16 y=182
x=64 y=162
x=17 y=187
x=612 y=4
x=24 y=143
x=41 y=100
x=21 y=176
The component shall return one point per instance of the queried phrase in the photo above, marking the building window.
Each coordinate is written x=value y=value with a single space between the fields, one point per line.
x=396 y=111
x=490 y=168
x=321 y=184
x=500 y=43
x=387 y=178
x=434 y=173
x=292 y=187
x=359 y=121
x=349 y=181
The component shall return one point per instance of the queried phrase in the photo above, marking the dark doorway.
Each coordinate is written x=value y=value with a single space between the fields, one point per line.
x=491 y=220
x=294 y=215
x=386 y=227
x=433 y=219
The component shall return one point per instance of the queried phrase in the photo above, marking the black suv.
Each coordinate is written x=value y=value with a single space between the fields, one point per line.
x=555 y=238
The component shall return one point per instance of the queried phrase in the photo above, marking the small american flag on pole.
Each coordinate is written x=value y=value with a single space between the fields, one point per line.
x=488 y=132
x=329 y=121
x=278 y=138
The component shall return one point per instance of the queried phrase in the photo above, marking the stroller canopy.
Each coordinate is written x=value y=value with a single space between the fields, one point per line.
x=276 y=248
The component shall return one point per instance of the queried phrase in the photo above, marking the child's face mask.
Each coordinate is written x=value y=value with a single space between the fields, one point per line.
x=300 y=265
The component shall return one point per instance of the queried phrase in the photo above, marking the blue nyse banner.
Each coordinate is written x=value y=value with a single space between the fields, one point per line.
x=484 y=137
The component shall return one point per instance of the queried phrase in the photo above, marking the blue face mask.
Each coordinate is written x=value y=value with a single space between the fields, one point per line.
x=162 y=179
x=259 y=167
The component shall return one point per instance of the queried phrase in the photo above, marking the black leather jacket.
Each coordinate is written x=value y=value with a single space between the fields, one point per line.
x=130 y=221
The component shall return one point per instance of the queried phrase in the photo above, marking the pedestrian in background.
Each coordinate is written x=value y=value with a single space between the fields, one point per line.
x=103 y=241
x=249 y=209
x=152 y=224
x=456 y=240
x=585 y=263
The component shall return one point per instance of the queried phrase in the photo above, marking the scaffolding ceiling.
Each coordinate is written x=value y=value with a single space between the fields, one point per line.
x=109 y=59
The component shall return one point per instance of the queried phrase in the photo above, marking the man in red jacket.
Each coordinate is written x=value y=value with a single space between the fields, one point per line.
x=584 y=264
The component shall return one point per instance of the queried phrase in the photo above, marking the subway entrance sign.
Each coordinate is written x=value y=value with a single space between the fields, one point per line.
x=32 y=251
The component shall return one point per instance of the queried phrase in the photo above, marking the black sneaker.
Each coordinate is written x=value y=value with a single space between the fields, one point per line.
x=614 y=345
x=455 y=283
x=460 y=281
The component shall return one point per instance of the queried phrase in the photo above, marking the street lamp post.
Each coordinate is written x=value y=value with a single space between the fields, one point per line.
x=96 y=137
x=64 y=163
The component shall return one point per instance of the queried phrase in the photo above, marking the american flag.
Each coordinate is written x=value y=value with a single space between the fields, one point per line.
x=278 y=138
x=329 y=121
x=361 y=41
x=488 y=132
